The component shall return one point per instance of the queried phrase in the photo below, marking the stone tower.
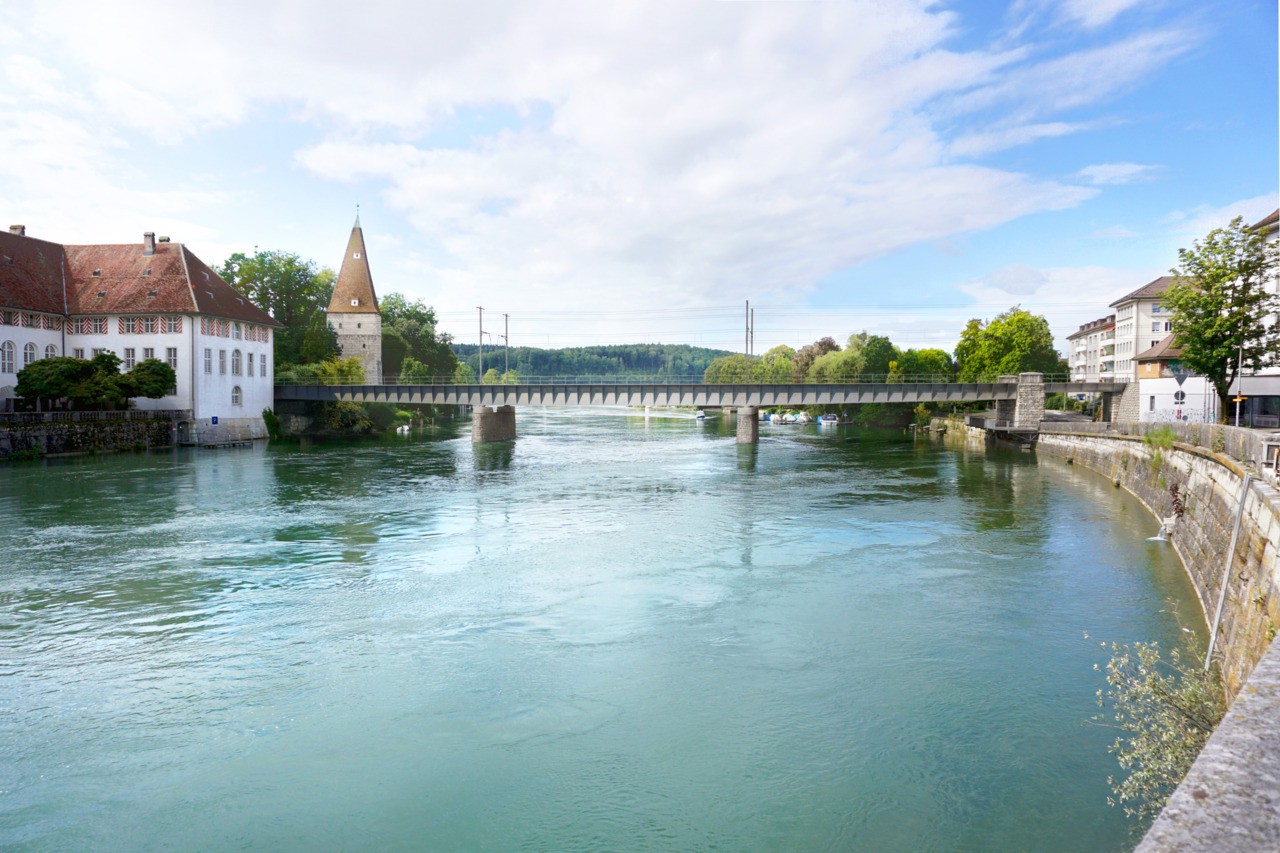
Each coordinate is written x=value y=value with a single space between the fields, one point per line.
x=353 y=311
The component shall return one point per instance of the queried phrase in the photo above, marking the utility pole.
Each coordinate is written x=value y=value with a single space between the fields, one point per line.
x=746 y=329
x=753 y=331
x=481 y=310
x=506 y=344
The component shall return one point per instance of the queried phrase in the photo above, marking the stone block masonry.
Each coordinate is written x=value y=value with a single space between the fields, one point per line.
x=86 y=436
x=493 y=424
x=1230 y=799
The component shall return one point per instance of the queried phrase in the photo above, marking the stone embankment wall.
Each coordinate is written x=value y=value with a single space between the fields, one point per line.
x=1207 y=465
x=92 y=436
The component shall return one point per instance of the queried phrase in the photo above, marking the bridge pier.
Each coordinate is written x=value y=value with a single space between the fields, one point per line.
x=496 y=423
x=748 y=425
x=1028 y=409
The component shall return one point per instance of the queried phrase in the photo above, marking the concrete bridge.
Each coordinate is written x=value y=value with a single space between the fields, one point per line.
x=1019 y=399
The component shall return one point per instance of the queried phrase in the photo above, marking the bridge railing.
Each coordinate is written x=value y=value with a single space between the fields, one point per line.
x=645 y=379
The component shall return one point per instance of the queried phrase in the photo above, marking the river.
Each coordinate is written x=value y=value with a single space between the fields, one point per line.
x=613 y=634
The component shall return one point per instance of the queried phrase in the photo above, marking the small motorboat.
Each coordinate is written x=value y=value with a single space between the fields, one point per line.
x=829 y=420
x=701 y=415
x=803 y=418
x=403 y=429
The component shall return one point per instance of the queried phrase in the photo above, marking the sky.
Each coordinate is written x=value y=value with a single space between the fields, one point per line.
x=635 y=171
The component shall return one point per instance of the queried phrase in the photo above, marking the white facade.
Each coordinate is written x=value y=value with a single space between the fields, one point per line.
x=1092 y=351
x=1141 y=323
x=1164 y=400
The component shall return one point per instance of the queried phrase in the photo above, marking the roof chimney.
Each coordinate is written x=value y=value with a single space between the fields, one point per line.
x=149 y=243
x=20 y=230
x=162 y=239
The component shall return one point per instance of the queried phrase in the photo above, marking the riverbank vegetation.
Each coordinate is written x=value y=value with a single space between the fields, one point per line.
x=1165 y=707
x=77 y=384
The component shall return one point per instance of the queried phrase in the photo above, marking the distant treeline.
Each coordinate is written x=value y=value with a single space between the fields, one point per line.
x=620 y=360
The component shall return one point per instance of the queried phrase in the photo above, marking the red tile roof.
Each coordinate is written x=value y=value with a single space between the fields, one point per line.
x=116 y=279
x=355 y=282
x=1160 y=352
x=1148 y=291
x=32 y=274
x=1267 y=224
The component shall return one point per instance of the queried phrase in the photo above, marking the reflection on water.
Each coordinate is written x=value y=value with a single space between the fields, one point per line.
x=617 y=632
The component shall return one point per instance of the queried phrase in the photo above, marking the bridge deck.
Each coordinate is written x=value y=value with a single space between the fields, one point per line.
x=693 y=395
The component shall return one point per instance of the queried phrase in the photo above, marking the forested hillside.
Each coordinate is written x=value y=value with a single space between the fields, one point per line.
x=666 y=360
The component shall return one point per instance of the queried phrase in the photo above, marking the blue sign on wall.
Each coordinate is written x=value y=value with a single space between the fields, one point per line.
x=214 y=420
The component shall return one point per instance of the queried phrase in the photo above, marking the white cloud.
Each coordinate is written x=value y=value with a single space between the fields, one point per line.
x=646 y=153
x=1106 y=174
x=1115 y=232
x=1096 y=13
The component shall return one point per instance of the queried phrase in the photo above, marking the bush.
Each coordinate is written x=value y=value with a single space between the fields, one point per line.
x=1165 y=711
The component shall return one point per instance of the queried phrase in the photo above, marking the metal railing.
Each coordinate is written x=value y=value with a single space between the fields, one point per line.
x=642 y=379
x=8 y=418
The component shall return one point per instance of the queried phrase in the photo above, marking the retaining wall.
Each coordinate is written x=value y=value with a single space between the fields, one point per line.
x=1209 y=484
x=89 y=436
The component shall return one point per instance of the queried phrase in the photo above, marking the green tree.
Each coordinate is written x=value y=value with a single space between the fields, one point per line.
x=394 y=350
x=491 y=377
x=319 y=341
x=151 y=378
x=877 y=354
x=838 y=366
x=416 y=323
x=730 y=368
x=52 y=379
x=808 y=354
x=1224 y=306
x=777 y=364
x=340 y=371
x=1016 y=341
x=288 y=288
x=414 y=372
x=464 y=375
x=932 y=365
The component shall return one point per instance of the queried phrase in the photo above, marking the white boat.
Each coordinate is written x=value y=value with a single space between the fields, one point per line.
x=403 y=429
x=701 y=414
x=803 y=418
x=829 y=420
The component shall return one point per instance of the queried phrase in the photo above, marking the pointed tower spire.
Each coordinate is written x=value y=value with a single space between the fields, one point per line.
x=353 y=293
x=353 y=310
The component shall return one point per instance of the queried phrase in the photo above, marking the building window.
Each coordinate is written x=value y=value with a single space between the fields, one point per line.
x=171 y=356
x=98 y=325
x=148 y=352
x=172 y=325
x=208 y=360
x=1157 y=308
x=1155 y=327
x=129 y=359
x=1168 y=326
x=235 y=331
x=148 y=325
x=250 y=371
x=222 y=361
x=78 y=352
x=236 y=396
x=6 y=357
x=235 y=362
x=1151 y=406
x=29 y=354
x=97 y=351
x=51 y=351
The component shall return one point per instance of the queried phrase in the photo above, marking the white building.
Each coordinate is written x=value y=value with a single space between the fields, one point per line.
x=1166 y=391
x=1091 y=350
x=1142 y=322
x=155 y=299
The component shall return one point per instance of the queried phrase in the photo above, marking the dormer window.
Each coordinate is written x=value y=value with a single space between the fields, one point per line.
x=97 y=273
x=355 y=303
x=147 y=271
x=356 y=255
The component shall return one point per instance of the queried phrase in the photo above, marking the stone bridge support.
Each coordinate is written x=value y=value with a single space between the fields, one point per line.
x=1006 y=409
x=1028 y=408
x=496 y=423
x=748 y=425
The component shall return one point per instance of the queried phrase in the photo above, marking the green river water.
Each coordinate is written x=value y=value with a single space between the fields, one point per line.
x=613 y=634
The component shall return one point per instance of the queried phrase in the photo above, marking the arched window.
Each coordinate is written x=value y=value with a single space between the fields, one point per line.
x=236 y=397
x=235 y=362
x=6 y=357
x=51 y=351
x=29 y=354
